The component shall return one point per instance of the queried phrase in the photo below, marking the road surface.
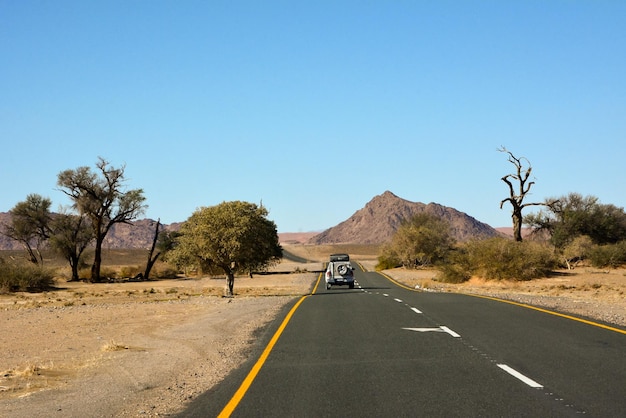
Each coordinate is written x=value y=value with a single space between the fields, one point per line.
x=384 y=350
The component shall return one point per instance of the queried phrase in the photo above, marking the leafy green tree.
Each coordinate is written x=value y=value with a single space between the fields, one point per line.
x=101 y=196
x=573 y=215
x=516 y=197
x=30 y=225
x=71 y=235
x=232 y=238
x=422 y=240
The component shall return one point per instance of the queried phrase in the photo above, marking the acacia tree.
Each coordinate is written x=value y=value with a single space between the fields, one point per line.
x=30 y=225
x=232 y=238
x=516 y=198
x=575 y=215
x=71 y=235
x=101 y=196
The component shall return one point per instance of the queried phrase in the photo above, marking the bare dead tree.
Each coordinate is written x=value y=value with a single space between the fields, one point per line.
x=520 y=179
x=152 y=258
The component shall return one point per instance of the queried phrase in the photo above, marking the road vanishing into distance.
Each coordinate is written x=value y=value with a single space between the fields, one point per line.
x=383 y=350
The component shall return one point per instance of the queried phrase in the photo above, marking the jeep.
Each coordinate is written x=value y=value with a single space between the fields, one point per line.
x=339 y=271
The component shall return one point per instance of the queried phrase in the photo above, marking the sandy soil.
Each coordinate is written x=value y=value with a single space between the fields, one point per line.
x=147 y=349
x=132 y=349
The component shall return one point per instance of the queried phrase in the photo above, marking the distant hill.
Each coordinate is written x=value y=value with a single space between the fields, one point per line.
x=373 y=224
x=380 y=218
x=137 y=235
x=295 y=237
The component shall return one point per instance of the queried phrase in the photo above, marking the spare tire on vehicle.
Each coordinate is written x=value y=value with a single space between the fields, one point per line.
x=342 y=269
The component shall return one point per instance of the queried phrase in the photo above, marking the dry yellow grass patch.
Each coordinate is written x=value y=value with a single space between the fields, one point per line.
x=114 y=346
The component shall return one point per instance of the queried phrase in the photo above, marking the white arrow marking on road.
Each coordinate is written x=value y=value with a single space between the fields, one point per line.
x=424 y=329
x=439 y=329
x=449 y=331
x=530 y=382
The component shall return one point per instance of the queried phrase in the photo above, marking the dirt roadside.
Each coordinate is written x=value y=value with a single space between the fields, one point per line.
x=586 y=292
x=131 y=349
x=147 y=349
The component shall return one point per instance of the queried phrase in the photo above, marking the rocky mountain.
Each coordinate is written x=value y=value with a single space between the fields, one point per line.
x=137 y=235
x=374 y=224
x=380 y=218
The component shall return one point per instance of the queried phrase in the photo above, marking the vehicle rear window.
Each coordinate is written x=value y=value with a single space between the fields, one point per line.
x=339 y=257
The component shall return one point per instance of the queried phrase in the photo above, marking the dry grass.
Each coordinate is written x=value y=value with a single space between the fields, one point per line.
x=28 y=378
x=114 y=346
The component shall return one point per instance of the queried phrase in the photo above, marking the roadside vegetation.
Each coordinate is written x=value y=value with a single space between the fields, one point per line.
x=118 y=265
x=230 y=238
x=237 y=238
x=16 y=277
x=502 y=258
x=568 y=231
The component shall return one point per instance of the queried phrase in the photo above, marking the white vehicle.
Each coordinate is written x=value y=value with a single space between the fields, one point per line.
x=339 y=271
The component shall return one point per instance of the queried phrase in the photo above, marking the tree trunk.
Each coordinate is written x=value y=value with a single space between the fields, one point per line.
x=517 y=225
x=151 y=261
x=97 y=262
x=230 y=283
x=31 y=254
x=74 y=265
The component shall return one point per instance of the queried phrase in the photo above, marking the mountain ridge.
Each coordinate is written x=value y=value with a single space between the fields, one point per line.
x=375 y=223
x=378 y=220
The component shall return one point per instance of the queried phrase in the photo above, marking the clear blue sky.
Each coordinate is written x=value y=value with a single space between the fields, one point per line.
x=315 y=107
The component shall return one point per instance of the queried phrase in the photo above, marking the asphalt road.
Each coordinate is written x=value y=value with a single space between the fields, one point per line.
x=381 y=350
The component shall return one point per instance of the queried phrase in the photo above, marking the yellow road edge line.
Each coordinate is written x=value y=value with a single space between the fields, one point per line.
x=319 y=279
x=247 y=382
x=397 y=283
x=536 y=308
x=562 y=315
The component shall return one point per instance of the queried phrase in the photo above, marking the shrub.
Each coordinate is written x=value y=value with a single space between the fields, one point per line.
x=84 y=273
x=454 y=273
x=504 y=259
x=130 y=271
x=457 y=269
x=24 y=277
x=577 y=250
x=420 y=241
x=107 y=272
x=166 y=273
x=610 y=255
x=386 y=262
